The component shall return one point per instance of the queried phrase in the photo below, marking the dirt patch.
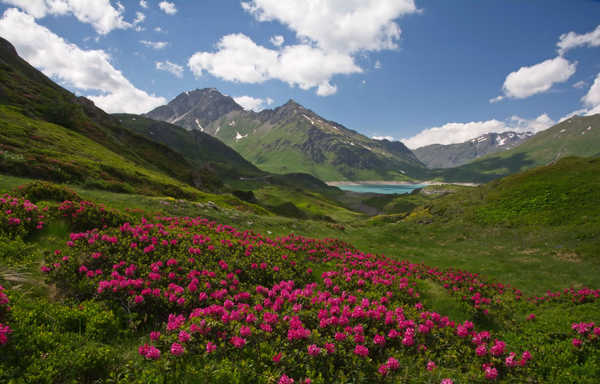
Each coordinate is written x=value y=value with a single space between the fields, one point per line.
x=567 y=256
x=531 y=251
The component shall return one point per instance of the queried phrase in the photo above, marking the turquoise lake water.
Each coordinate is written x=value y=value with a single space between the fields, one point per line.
x=381 y=188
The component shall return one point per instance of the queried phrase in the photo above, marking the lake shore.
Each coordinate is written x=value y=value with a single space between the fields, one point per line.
x=383 y=182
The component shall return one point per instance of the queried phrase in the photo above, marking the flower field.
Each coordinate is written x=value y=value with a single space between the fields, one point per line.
x=204 y=302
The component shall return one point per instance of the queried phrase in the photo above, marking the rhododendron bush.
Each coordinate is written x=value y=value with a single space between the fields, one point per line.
x=298 y=309
x=20 y=217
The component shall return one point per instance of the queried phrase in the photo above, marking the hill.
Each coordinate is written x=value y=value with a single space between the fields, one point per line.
x=292 y=138
x=453 y=155
x=577 y=136
x=50 y=133
x=201 y=149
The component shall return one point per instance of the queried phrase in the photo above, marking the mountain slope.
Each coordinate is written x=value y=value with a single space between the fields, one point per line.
x=201 y=149
x=33 y=99
x=292 y=138
x=453 y=155
x=577 y=136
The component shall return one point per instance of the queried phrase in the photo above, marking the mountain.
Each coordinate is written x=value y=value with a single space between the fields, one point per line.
x=577 y=136
x=454 y=155
x=201 y=149
x=48 y=132
x=291 y=138
x=194 y=109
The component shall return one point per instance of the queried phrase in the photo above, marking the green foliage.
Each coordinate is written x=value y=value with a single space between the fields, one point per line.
x=45 y=191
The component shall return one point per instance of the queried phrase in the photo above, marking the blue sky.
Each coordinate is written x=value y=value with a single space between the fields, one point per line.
x=425 y=71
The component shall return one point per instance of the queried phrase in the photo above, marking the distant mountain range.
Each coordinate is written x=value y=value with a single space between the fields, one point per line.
x=577 y=136
x=291 y=138
x=454 y=155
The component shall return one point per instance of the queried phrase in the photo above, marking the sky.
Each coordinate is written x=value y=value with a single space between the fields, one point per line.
x=422 y=72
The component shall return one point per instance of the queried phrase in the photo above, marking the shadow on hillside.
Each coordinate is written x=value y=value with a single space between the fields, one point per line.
x=484 y=170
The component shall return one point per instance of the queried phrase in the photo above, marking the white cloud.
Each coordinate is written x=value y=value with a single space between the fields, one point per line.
x=155 y=44
x=86 y=70
x=388 y=138
x=453 y=133
x=167 y=7
x=239 y=59
x=277 y=40
x=158 y=29
x=496 y=99
x=139 y=18
x=538 y=78
x=99 y=13
x=592 y=98
x=341 y=25
x=579 y=84
x=143 y=4
x=252 y=103
x=176 y=70
x=572 y=40
x=377 y=64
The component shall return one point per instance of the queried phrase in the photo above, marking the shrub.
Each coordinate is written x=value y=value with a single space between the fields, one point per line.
x=45 y=191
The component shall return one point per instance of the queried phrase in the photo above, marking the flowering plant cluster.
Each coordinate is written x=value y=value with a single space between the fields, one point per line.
x=19 y=217
x=85 y=215
x=587 y=334
x=4 y=308
x=224 y=293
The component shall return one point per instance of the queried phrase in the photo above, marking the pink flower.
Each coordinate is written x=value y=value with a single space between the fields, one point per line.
x=383 y=370
x=361 y=350
x=330 y=347
x=286 y=380
x=149 y=352
x=481 y=350
x=154 y=336
x=431 y=366
x=447 y=381
x=184 y=337
x=498 y=348
x=531 y=317
x=491 y=373
x=176 y=349
x=245 y=331
x=577 y=343
x=210 y=347
x=277 y=358
x=379 y=340
x=238 y=342
x=138 y=299
x=392 y=364
x=313 y=350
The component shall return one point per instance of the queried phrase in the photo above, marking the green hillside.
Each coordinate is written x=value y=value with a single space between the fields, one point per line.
x=577 y=136
x=200 y=149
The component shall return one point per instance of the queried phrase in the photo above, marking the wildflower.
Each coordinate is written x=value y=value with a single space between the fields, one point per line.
x=177 y=349
x=491 y=373
x=431 y=366
x=361 y=350
x=286 y=380
x=184 y=337
x=210 y=347
x=383 y=369
x=277 y=358
x=154 y=336
x=238 y=342
x=577 y=343
x=313 y=350
x=447 y=381
x=379 y=340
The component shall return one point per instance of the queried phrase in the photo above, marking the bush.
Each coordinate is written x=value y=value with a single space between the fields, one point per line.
x=45 y=191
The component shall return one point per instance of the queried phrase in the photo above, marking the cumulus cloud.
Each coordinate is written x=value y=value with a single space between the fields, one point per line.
x=239 y=59
x=99 y=13
x=167 y=7
x=453 y=133
x=330 y=33
x=174 y=69
x=340 y=25
x=252 y=103
x=538 y=78
x=580 y=84
x=85 y=70
x=572 y=40
x=143 y=4
x=154 y=44
x=592 y=98
x=277 y=40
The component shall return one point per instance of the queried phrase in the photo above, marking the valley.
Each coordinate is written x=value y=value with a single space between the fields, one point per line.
x=202 y=242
